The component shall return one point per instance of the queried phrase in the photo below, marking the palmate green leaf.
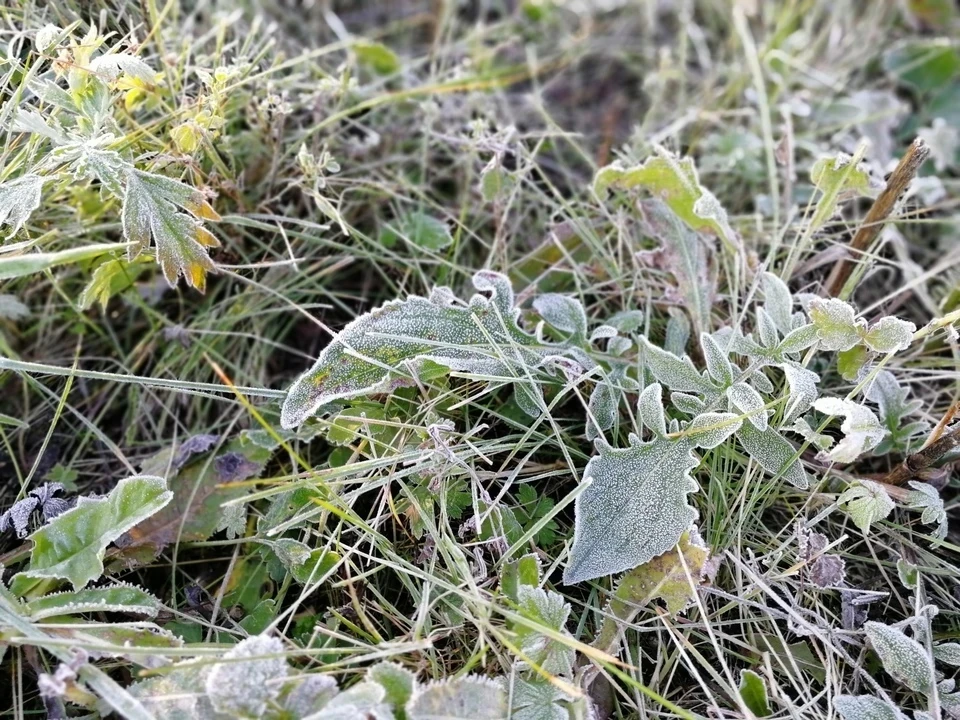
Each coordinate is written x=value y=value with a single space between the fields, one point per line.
x=551 y=611
x=116 y=598
x=894 y=408
x=538 y=699
x=635 y=507
x=861 y=429
x=675 y=181
x=18 y=199
x=483 y=337
x=150 y=209
x=467 y=698
x=836 y=179
x=865 y=502
x=72 y=545
x=903 y=657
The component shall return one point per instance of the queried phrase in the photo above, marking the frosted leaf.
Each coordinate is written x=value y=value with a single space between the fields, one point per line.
x=903 y=657
x=889 y=335
x=865 y=502
x=837 y=326
x=177 y=694
x=603 y=332
x=618 y=345
x=773 y=453
x=753 y=692
x=363 y=701
x=690 y=404
x=292 y=553
x=778 y=302
x=769 y=337
x=803 y=390
x=678 y=334
x=894 y=407
x=18 y=199
x=944 y=142
x=72 y=545
x=468 y=698
x=854 y=364
x=675 y=181
x=836 y=179
x=30 y=121
x=865 y=707
x=418 y=228
x=683 y=253
x=18 y=515
x=627 y=321
x=233 y=520
x=908 y=574
x=948 y=652
x=603 y=405
x=926 y=498
x=708 y=430
x=861 y=428
x=634 y=509
x=254 y=678
x=397 y=682
x=12 y=309
x=650 y=408
x=748 y=402
x=798 y=339
x=550 y=610
x=538 y=699
x=150 y=209
x=675 y=373
x=308 y=693
x=46 y=37
x=117 y=598
x=564 y=313
x=718 y=365
x=803 y=428
x=361 y=358
x=111 y=65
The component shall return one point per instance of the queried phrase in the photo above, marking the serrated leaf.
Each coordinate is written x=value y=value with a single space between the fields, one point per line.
x=861 y=428
x=563 y=313
x=903 y=657
x=718 y=365
x=115 y=639
x=836 y=179
x=118 y=598
x=753 y=692
x=551 y=611
x=674 y=372
x=748 y=402
x=865 y=502
x=537 y=699
x=894 y=407
x=778 y=302
x=244 y=687
x=72 y=545
x=926 y=498
x=675 y=181
x=773 y=453
x=468 y=698
x=150 y=209
x=889 y=335
x=836 y=323
x=634 y=509
x=865 y=707
x=362 y=356
x=18 y=199
x=111 y=278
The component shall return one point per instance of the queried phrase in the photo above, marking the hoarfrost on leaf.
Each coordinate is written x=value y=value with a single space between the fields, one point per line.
x=865 y=707
x=674 y=372
x=802 y=384
x=837 y=179
x=748 y=402
x=650 y=409
x=926 y=498
x=538 y=699
x=836 y=323
x=566 y=314
x=903 y=657
x=18 y=199
x=467 y=698
x=779 y=302
x=774 y=453
x=550 y=610
x=861 y=429
x=718 y=365
x=251 y=676
x=889 y=335
x=865 y=502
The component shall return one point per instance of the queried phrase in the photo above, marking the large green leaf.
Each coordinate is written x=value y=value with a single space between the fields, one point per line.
x=72 y=545
x=902 y=657
x=483 y=338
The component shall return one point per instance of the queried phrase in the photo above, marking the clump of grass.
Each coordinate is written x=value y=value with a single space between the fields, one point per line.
x=331 y=160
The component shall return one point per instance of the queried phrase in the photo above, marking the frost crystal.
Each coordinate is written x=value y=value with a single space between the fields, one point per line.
x=243 y=687
x=18 y=199
x=861 y=428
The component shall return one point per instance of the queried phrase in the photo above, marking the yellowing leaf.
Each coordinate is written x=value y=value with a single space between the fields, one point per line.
x=111 y=278
x=675 y=181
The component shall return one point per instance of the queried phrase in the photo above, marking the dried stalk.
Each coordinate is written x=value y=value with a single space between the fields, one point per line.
x=923 y=459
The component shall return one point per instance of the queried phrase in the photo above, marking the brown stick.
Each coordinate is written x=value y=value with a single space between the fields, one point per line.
x=923 y=459
x=900 y=178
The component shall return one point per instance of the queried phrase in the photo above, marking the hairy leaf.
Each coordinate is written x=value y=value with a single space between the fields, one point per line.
x=635 y=507
x=538 y=699
x=551 y=611
x=674 y=372
x=676 y=182
x=748 y=402
x=467 y=698
x=665 y=578
x=861 y=428
x=244 y=687
x=903 y=657
x=865 y=707
x=779 y=302
x=718 y=365
x=866 y=502
x=948 y=653
x=889 y=335
x=603 y=407
x=650 y=409
x=563 y=313
x=836 y=323
x=18 y=199
x=150 y=209
x=362 y=357
x=774 y=453
x=72 y=545
x=116 y=598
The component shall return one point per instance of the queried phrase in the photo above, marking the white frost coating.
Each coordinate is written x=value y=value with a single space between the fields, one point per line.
x=767 y=329
x=676 y=373
x=749 y=402
x=861 y=428
x=774 y=453
x=309 y=693
x=866 y=707
x=708 y=430
x=778 y=301
x=473 y=697
x=634 y=509
x=603 y=407
x=121 y=597
x=718 y=365
x=803 y=390
x=483 y=338
x=902 y=657
x=244 y=687
x=602 y=332
x=798 y=339
x=865 y=502
x=889 y=335
x=564 y=313
x=18 y=199
x=837 y=326
x=112 y=64
x=650 y=408
x=538 y=699
x=926 y=498
x=550 y=610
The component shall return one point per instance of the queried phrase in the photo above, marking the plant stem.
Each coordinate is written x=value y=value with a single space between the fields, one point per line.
x=913 y=464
